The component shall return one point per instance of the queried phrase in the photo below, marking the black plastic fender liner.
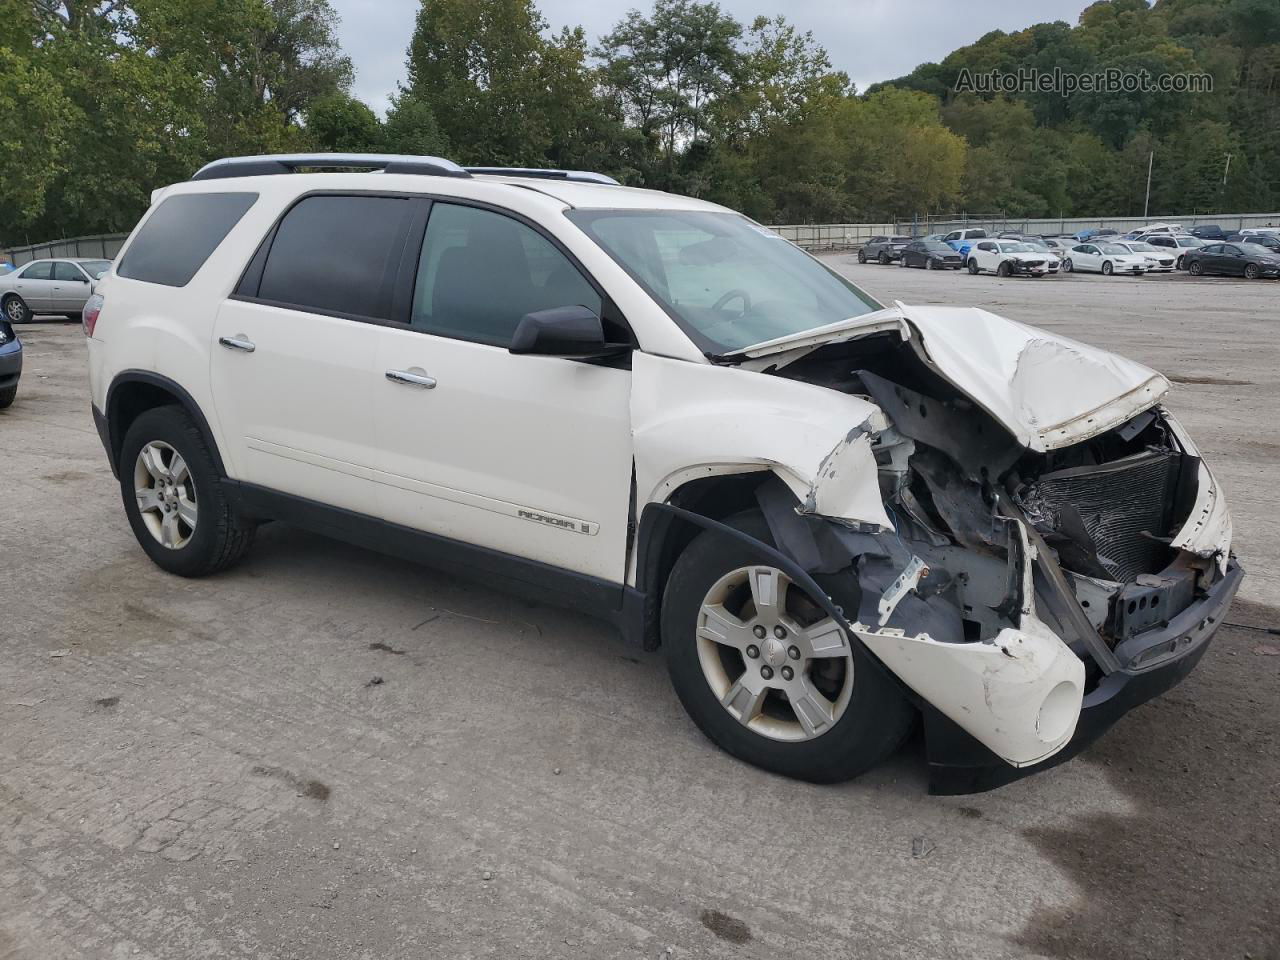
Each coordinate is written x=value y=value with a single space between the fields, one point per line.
x=115 y=433
x=660 y=519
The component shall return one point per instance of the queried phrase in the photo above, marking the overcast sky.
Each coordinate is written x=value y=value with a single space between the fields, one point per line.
x=870 y=40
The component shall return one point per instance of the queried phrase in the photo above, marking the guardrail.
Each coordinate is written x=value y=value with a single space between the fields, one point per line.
x=103 y=246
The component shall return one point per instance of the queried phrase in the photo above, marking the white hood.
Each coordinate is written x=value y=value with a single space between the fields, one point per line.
x=1047 y=390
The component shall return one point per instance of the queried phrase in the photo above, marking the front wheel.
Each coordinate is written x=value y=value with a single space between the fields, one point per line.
x=928 y=264
x=1197 y=268
x=1251 y=271
x=884 y=259
x=766 y=674
x=1004 y=269
x=176 y=505
x=862 y=256
x=1107 y=268
x=1066 y=266
x=7 y=396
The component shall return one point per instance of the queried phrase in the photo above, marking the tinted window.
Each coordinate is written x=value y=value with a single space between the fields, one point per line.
x=337 y=255
x=38 y=271
x=480 y=272
x=66 y=271
x=180 y=235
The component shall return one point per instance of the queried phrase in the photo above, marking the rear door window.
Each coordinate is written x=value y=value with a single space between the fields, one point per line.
x=337 y=255
x=38 y=271
x=180 y=235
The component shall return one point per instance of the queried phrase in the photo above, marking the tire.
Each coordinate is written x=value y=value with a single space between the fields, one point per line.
x=1067 y=266
x=1004 y=270
x=884 y=259
x=876 y=717
x=902 y=260
x=973 y=267
x=7 y=396
x=16 y=309
x=928 y=264
x=862 y=256
x=1251 y=271
x=1107 y=268
x=219 y=537
x=1196 y=268
x=1179 y=264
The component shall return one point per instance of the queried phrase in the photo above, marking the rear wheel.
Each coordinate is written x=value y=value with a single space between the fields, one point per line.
x=16 y=309
x=766 y=674
x=973 y=267
x=176 y=505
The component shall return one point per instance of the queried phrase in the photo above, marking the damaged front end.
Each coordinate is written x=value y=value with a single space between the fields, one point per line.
x=1048 y=562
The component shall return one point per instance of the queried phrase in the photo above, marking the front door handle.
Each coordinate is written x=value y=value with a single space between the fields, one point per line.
x=411 y=378
x=238 y=342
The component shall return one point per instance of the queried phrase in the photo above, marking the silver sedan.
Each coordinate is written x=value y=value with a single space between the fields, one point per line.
x=49 y=286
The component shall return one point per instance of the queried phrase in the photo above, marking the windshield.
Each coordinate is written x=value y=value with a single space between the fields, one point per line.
x=1017 y=248
x=1256 y=250
x=729 y=283
x=95 y=268
x=1141 y=248
x=1114 y=249
x=1038 y=245
x=1189 y=242
x=933 y=246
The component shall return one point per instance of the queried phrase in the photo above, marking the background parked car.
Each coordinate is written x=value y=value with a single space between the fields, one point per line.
x=1059 y=246
x=961 y=240
x=1208 y=231
x=1096 y=233
x=1008 y=258
x=883 y=249
x=1248 y=260
x=1178 y=243
x=10 y=363
x=49 y=286
x=932 y=255
x=1159 y=259
x=1107 y=258
x=1261 y=239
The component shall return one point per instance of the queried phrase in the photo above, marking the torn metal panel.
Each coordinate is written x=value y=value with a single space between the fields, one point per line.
x=1207 y=531
x=700 y=419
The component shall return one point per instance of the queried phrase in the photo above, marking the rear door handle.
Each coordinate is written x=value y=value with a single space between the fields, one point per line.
x=238 y=342
x=412 y=379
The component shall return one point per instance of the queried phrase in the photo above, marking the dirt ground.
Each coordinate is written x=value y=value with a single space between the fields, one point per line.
x=326 y=753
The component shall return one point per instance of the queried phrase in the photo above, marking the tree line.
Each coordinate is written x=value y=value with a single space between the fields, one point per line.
x=102 y=101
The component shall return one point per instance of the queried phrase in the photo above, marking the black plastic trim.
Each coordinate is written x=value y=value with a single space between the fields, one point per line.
x=532 y=579
x=179 y=394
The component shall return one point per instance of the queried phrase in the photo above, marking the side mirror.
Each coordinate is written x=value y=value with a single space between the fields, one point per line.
x=572 y=332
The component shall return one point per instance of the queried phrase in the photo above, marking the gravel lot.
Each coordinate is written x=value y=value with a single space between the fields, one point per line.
x=326 y=753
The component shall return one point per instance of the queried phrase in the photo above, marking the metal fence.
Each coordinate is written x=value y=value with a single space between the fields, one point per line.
x=844 y=236
x=103 y=246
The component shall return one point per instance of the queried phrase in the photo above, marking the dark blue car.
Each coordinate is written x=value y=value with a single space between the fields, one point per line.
x=10 y=363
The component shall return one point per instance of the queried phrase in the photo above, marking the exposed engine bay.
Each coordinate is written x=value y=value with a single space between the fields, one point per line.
x=968 y=503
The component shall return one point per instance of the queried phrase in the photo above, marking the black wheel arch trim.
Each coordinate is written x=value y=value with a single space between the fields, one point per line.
x=112 y=434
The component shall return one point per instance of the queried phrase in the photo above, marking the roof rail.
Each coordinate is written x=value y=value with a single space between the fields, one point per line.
x=269 y=164
x=578 y=176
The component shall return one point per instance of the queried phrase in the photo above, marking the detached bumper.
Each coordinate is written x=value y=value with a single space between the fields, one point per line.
x=10 y=363
x=1155 y=662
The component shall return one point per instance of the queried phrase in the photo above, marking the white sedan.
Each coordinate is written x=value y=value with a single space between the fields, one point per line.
x=1158 y=260
x=1106 y=258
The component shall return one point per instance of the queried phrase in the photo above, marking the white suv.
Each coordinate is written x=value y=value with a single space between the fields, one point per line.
x=833 y=515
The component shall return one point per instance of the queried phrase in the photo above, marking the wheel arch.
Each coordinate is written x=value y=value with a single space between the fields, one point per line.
x=132 y=393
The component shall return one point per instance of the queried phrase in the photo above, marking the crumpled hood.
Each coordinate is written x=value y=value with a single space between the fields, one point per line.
x=1047 y=390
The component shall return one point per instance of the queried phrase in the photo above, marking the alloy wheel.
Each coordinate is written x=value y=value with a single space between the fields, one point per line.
x=13 y=309
x=775 y=660
x=166 y=494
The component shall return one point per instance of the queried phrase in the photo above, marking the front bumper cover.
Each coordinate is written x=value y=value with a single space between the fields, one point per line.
x=10 y=363
x=959 y=764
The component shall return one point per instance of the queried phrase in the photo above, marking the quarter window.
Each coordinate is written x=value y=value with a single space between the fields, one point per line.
x=337 y=255
x=180 y=235
x=38 y=271
x=480 y=272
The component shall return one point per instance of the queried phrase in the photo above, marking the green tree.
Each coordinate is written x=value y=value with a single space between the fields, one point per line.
x=341 y=123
